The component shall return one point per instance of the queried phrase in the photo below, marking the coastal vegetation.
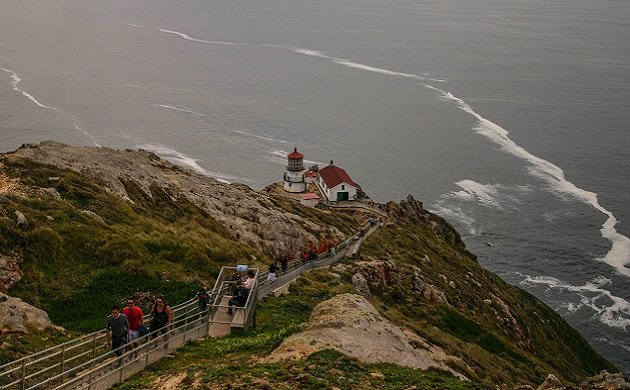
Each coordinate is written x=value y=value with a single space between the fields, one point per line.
x=85 y=248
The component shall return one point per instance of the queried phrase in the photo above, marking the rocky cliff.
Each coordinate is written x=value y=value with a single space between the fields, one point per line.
x=85 y=227
x=247 y=214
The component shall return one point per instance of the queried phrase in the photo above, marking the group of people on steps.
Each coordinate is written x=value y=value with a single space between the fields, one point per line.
x=127 y=325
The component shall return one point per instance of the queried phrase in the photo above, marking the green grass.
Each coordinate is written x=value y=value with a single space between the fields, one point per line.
x=520 y=348
x=228 y=362
x=75 y=268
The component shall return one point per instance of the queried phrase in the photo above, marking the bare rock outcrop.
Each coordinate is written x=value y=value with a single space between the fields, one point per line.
x=9 y=272
x=607 y=381
x=20 y=220
x=413 y=211
x=602 y=381
x=350 y=324
x=551 y=383
x=17 y=316
x=248 y=215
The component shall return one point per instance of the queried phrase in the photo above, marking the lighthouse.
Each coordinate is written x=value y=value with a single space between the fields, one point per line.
x=294 y=175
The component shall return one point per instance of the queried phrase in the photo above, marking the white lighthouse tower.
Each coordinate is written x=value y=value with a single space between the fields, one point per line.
x=294 y=176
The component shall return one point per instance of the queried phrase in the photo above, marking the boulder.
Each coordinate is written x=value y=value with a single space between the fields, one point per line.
x=17 y=316
x=93 y=215
x=434 y=294
x=9 y=272
x=607 y=381
x=350 y=324
x=551 y=383
x=249 y=215
x=20 y=220
x=361 y=284
x=49 y=191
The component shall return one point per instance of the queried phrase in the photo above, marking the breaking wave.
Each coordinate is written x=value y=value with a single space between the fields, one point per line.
x=182 y=159
x=15 y=80
x=611 y=310
x=619 y=254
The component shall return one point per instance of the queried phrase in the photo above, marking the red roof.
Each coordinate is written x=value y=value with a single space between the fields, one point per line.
x=309 y=196
x=334 y=175
x=295 y=154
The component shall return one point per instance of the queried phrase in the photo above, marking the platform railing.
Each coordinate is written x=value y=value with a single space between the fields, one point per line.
x=88 y=363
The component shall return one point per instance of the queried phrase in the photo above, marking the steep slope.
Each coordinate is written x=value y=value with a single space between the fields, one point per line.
x=83 y=228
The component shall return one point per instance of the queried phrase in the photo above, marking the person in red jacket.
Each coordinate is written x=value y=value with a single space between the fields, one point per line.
x=135 y=317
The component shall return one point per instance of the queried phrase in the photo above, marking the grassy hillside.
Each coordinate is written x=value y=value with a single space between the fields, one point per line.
x=233 y=362
x=505 y=334
x=87 y=249
x=75 y=266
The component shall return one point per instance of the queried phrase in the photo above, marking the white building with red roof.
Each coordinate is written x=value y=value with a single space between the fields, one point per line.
x=336 y=184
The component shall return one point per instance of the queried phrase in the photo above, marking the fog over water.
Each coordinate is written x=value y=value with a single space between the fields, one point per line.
x=508 y=118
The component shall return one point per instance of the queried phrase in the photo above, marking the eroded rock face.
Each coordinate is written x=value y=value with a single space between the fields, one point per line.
x=245 y=213
x=350 y=324
x=16 y=316
x=411 y=210
x=602 y=381
x=605 y=380
x=551 y=383
x=9 y=272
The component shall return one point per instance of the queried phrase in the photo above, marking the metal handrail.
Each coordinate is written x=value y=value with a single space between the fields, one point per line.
x=99 y=368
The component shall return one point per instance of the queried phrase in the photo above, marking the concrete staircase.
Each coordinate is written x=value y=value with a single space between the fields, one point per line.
x=221 y=320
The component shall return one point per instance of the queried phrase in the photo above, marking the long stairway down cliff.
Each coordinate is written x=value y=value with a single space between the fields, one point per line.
x=88 y=363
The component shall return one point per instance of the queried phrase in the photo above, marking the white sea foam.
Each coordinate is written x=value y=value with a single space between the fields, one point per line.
x=179 y=109
x=181 y=35
x=494 y=196
x=619 y=255
x=491 y=195
x=455 y=213
x=611 y=310
x=16 y=80
x=189 y=38
x=356 y=65
x=180 y=158
x=280 y=157
x=87 y=135
x=242 y=132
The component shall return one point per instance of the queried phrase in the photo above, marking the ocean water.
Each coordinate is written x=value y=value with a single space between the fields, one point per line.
x=509 y=118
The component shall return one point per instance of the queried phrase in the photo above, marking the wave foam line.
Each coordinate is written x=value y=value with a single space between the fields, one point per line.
x=245 y=133
x=356 y=65
x=619 y=254
x=16 y=80
x=280 y=157
x=180 y=109
x=182 y=159
x=616 y=315
x=182 y=35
